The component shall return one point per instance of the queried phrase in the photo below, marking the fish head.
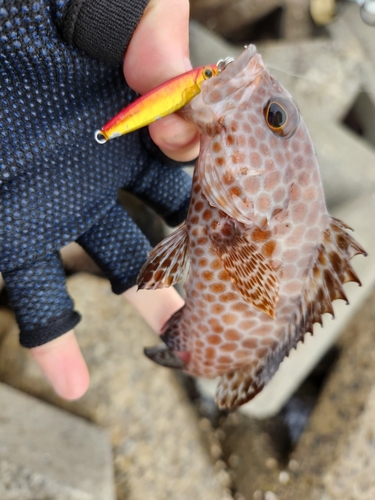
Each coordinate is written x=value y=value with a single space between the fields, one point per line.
x=254 y=140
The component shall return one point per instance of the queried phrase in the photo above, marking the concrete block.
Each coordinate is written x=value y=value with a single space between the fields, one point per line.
x=48 y=453
x=206 y=47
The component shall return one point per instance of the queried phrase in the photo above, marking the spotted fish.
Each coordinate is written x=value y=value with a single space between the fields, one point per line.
x=266 y=258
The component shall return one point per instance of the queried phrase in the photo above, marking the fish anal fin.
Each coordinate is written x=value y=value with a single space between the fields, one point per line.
x=324 y=284
x=166 y=262
x=237 y=388
x=250 y=272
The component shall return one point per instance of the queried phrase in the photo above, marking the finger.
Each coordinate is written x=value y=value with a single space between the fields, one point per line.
x=62 y=363
x=158 y=51
x=156 y=306
x=159 y=48
x=177 y=138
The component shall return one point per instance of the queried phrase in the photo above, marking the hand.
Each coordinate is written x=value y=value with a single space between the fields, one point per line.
x=160 y=42
x=61 y=359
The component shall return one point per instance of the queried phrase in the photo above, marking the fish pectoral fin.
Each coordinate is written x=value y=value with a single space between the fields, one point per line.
x=327 y=275
x=250 y=272
x=166 y=262
x=237 y=388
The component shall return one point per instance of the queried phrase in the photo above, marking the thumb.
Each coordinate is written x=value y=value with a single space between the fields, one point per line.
x=159 y=51
x=159 y=48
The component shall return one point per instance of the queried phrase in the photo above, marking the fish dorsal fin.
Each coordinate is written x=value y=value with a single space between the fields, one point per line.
x=237 y=388
x=329 y=272
x=166 y=262
x=250 y=272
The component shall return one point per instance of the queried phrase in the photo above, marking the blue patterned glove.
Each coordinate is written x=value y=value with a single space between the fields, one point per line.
x=57 y=184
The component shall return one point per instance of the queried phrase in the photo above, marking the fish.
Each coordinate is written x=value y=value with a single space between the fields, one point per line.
x=265 y=259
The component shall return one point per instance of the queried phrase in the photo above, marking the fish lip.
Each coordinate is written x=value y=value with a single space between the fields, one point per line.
x=164 y=356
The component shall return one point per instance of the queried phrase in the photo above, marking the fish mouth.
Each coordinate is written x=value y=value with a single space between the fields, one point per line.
x=164 y=356
x=241 y=63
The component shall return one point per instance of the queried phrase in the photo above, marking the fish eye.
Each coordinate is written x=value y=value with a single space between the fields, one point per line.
x=208 y=73
x=282 y=116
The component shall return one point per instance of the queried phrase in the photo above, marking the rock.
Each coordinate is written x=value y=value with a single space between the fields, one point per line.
x=207 y=47
x=48 y=453
x=352 y=474
x=154 y=430
x=228 y=18
x=256 y=457
x=246 y=21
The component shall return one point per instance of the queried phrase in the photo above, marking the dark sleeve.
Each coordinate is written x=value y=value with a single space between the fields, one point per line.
x=101 y=28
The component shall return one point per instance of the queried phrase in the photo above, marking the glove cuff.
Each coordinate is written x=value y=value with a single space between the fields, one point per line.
x=101 y=29
x=53 y=329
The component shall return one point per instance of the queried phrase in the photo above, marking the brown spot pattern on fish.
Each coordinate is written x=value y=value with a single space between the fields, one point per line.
x=266 y=258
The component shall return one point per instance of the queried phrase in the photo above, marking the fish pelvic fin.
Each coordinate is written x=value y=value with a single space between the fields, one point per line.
x=174 y=353
x=329 y=272
x=237 y=388
x=250 y=272
x=162 y=355
x=166 y=263
x=172 y=335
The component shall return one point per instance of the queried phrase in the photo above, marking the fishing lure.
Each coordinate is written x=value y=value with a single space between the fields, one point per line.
x=159 y=102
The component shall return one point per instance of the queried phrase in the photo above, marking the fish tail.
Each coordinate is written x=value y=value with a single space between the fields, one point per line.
x=238 y=387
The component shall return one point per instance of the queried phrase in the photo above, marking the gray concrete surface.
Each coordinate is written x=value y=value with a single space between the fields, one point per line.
x=352 y=474
x=158 y=447
x=48 y=453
